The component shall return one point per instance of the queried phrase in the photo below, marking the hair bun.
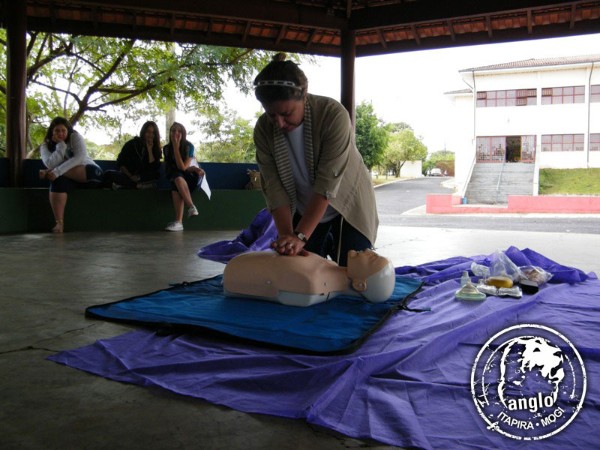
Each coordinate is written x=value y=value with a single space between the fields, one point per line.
x=279 y=57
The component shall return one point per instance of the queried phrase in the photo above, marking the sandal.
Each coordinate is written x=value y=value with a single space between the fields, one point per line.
x=59 y=227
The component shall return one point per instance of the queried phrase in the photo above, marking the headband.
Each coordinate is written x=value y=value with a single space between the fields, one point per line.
x=278 y=83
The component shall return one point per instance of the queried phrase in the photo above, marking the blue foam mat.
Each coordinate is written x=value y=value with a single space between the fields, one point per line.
x=337 y=325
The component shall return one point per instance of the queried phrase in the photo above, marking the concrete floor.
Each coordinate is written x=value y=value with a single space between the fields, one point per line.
x=48 y=281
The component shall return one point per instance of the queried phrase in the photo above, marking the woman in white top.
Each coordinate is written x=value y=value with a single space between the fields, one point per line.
x=68 y=166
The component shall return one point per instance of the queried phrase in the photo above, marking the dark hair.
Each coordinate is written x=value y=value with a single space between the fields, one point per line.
x=156 y=140
x=58 y=121
x=280 y=80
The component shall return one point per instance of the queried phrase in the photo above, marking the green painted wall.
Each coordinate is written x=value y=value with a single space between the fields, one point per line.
x=27 y=210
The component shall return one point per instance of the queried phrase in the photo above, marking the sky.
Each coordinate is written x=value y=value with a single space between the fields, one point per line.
x=410 y=87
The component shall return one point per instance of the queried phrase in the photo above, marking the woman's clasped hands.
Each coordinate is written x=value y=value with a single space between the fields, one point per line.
x=290 y=245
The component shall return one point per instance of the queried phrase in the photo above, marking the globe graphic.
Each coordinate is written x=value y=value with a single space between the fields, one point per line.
x=528 y=382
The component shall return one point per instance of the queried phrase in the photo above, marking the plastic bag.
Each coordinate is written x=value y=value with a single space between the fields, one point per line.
x=501 y=265
x=535 y=274
x=480 y=270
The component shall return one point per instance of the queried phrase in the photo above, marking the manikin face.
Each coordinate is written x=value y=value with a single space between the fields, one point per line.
x=287 y=115
x=59 y=133
x=372 y=275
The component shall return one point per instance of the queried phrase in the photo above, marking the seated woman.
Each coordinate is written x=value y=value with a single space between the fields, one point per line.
x=68 y=166
x=182 y=172
x=138 y=161
x=306 y=280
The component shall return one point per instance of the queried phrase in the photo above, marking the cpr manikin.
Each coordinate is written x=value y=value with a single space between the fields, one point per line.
x=307 y=280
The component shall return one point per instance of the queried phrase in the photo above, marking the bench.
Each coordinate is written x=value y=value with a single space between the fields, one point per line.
x=27 y=210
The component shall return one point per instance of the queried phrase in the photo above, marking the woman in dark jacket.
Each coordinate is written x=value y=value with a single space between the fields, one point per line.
x=138 y=161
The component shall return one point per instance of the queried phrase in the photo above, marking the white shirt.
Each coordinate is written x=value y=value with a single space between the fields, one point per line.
x=304 y=191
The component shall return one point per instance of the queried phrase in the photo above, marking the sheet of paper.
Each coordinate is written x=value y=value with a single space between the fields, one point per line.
x=205 y=187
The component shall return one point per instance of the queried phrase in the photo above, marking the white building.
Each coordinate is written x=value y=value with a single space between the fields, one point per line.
x=540 y=111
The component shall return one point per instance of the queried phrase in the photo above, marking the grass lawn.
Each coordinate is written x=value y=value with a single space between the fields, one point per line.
x=570 y=181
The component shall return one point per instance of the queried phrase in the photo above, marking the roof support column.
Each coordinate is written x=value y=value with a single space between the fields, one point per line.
x=16 y=31
x=347 y=72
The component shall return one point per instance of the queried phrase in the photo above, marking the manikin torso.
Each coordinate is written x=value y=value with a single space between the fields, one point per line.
x=307 y=280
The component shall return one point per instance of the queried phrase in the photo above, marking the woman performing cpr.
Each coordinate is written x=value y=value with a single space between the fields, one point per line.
x=314 y=179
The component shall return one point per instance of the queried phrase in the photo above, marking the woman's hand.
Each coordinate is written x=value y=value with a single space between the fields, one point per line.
x=47 y=175
x=176 y=140
x=289 y=245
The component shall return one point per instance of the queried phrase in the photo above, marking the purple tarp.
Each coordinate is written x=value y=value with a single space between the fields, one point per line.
x=258 y=236
x=408 y=385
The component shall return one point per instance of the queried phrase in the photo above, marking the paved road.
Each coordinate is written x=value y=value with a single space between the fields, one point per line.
x=403 y=204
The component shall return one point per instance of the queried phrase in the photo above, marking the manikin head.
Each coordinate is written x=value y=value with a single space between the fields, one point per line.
x=372 y=276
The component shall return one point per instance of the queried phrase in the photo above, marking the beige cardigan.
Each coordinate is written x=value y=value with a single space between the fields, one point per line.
x=336 y=167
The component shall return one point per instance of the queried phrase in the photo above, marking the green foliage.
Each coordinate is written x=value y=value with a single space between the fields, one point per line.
x=403 y=146
x=442 y=159
x=371 y=135
x=99 y=82
x=569 y=181
x=442 y=155
x=230 y=138
x=398 y=127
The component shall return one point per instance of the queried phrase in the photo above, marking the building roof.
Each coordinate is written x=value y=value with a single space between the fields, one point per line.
x=459 y=92
x=541 y=62
x=314 y=26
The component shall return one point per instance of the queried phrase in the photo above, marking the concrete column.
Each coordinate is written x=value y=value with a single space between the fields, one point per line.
x=16 y=84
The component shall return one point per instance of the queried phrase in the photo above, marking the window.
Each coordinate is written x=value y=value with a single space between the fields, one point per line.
x=514 y=97
x=562 y=95
x=490 y=149
x=594 y=142
x=562 y=142
x=498 y=149
x=595 y=93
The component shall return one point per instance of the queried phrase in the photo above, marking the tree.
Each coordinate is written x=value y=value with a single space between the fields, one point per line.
x=398 y=127
x=100 y=81
x=403 y=146
x=442 y=159
x=230 y=138
x=371 y=135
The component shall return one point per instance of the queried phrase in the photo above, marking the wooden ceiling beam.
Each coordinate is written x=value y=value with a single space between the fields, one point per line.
x=246 y=31
x=268 y=11
x=381 y=38
x=463 y=40
x=424 y=11
x=451 y=30
x=411 y=22
x=573 y=16
x=415 y=32
x=281 y=34
x=174 y=34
